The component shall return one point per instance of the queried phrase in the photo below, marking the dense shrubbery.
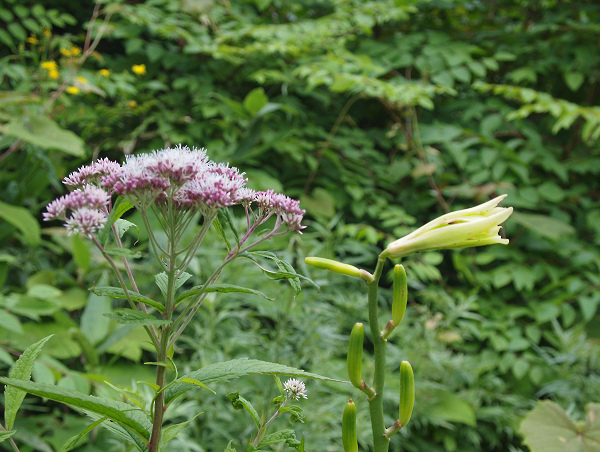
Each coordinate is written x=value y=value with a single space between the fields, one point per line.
x=377 y=115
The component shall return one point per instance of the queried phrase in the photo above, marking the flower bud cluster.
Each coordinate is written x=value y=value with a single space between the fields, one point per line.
x=177 y=178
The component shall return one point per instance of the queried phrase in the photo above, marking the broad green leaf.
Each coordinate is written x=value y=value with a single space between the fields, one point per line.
x=21 y=219
x=236 y=368
x=47 y=134
x=574 y=80
x=123 y=226
x=543 y=225
x=94 y=325
x=255 y=100
x=118 y=293
x=547 y=428
x=451 y=408
x=81 y=253
x=6 y=434
x=121 y=206
x=132 y=317
x=13 y=397
x=125 y=415
x=10 y=322
x=72 y=442
x=222 y=288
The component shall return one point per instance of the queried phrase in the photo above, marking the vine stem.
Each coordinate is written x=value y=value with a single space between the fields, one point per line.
x=380 y=441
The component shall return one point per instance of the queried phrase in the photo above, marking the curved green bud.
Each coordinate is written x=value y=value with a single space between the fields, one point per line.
x=349 y=439
x=407 y=393
x=355 y=351
x=338 y=267
x=400 y=295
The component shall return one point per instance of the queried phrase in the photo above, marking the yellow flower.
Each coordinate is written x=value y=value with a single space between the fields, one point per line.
x=104 y=72
x=47 y=33
x=32 y=40
x=476 y=226
x=49 y=65
x=75 y=51
x=65 y=52
x=132 y=104
x=139 y=69
x=72 y=90
x=81 y=80
x=53 y=74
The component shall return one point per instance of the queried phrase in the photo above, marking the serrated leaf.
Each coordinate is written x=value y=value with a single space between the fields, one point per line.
x=127 y=316
x=121 y=206
x=118 y=293
x=196 y=382
x=123 y=226
x=72 y=442
x=162 y=280
x=278 y=437
x=13 y=397
x=130 y=418
x=236 y=368
x=230 y=448
x=222 y=288
x=547 y=428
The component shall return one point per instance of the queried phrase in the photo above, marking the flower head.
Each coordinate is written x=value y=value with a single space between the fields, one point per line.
x=294 y=389
x=104 y=72
x=72 y=90
x=466 y=228
x=139 y=69
x=287 y=209
x=32 y=40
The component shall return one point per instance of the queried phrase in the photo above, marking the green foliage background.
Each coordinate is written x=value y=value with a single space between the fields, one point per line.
x=379 y=116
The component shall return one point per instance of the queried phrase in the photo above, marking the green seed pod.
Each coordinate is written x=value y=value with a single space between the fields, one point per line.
x=334 y=266
x=349 y=428
x=407 y=392
x=355 y=351
x=400 y=295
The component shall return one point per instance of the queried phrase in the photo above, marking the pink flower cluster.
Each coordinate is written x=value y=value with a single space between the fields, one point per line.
x=185 y=177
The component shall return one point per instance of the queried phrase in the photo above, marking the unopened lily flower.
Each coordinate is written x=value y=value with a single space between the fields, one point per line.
x=477 y=226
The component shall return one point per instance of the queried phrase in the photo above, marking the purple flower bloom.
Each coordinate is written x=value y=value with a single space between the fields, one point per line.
x=91 y=174
x=286 y=208
x=85 y=221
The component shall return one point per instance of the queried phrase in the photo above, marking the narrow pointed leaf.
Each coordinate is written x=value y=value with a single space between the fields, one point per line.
x=133 y=317
x=118 y=293
x=119 y=412
x=72 y=442
x=236 y=368
x=6 y=434
x=172 y=431
x=13 y=397
x=222 y=288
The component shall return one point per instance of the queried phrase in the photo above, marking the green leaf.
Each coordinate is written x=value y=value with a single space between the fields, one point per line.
x=127 y=316
x=162 y=281
x=255 y=101
x=13 y=397
x=20 y=218
x=121 y=206
x=47 y=134
x=94 y=326
x=10 y=322
x=236 y=368
x=135 y=398
x=543 y=225
x=123 y=414
x=196 y=382
x=451 y=408
x=222 y=288
x=172 y=431
x=123 y=225
x=574 y=80
x=547 y=428
x=230 y=448
x=118 y=293
x=81 y=253
x=278 y=437
x=240 y=403
x=276 y=274
x=72 y=442
x=7 y=434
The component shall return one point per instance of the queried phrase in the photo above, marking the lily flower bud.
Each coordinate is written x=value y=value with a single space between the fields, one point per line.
x=407 y=393
x=400 y=296
x=349 y=439
x=355 y=351
x=466 y=228
x=339 y=267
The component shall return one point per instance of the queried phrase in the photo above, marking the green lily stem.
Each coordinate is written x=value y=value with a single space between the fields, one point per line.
x=380 y=440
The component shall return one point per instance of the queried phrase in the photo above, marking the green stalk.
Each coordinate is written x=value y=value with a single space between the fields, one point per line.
x=380 y=441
